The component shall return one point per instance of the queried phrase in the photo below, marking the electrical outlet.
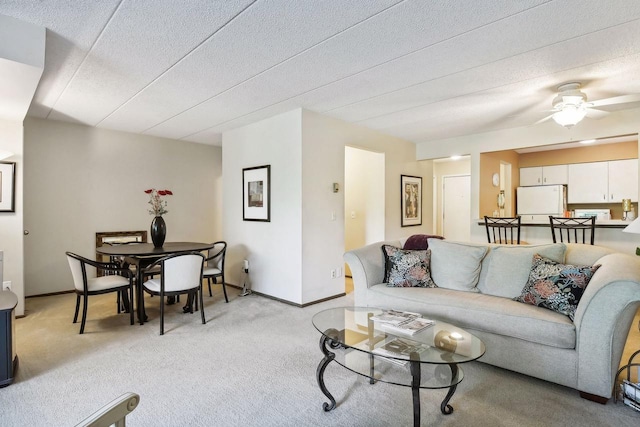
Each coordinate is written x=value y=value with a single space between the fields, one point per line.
x=333 y=274
x=6 y=286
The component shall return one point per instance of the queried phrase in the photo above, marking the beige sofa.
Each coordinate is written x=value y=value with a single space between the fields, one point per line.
x=583 y=354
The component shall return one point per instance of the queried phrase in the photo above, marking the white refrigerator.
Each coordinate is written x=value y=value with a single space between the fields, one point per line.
x=538 y=202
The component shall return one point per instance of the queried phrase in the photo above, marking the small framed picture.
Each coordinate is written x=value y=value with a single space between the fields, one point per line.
x=7 y=187
x=411 y=203
x=256 y=193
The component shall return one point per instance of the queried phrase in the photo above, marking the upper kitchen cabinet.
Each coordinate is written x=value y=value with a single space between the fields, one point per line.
x=623 y=180
x=603 y=182
x=588 y=183
x=544 y=175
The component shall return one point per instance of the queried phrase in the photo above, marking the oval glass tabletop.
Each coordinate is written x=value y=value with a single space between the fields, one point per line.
x=386 y=356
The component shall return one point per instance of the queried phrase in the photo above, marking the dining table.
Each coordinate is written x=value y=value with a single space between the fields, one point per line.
x=144 y=254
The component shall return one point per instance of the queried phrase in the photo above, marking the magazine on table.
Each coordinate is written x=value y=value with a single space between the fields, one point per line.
x=395 y=317
x=400 y=348
x=411 y=327
x=631 y=391
x=406 y=322
x=632 y=403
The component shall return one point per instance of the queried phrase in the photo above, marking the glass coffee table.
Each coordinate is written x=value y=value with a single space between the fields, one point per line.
x=428 y=359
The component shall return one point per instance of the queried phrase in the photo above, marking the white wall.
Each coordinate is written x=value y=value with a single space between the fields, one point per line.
x=11 y=223
x=622 y=122
x=21 y=65
x=291 y=257
x=324 y=139
x=272 y=248
x=81 y=180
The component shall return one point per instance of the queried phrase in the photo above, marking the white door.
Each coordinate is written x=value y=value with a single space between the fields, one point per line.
x=456 y=207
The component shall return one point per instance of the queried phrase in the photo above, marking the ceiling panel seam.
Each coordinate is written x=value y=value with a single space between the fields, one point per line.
x=184 y=57
x=274 y=66
x=345 y=77
x=75 y=73
x=543 y=73
x=460 y=71
x=496 y=87
x=433 y=102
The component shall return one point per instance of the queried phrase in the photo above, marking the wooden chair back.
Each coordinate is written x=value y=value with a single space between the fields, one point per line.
x=505 y=231
x=573 y=230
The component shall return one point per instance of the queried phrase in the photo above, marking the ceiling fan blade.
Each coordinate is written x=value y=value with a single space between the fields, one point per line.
x=592 y=113
x=543 y=120
x=623 y=99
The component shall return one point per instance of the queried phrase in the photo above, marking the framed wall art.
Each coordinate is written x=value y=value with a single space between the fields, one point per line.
x=411 y=203
x=256 y=193
x=7 y=187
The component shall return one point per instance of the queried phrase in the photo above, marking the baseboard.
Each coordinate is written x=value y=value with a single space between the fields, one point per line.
x=293 y=303
x=594 y=398
x=227 y=284
x=51 y=294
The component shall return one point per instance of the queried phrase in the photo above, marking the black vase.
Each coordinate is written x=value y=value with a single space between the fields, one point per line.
x=158 y=231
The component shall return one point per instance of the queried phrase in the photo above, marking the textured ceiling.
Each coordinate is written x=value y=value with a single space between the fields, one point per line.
x=417 y=69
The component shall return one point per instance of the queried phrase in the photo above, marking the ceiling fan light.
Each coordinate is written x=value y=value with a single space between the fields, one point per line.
x=570 y=115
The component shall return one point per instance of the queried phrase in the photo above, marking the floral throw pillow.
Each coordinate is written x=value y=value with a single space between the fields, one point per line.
x=407 y=268
x=556 y=286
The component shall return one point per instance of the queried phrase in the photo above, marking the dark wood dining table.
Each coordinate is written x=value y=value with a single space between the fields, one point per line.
x=142 y=255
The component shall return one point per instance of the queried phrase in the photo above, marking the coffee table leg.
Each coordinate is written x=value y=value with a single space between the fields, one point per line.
x=328 y=357
x=445 y=407
x=415 y=391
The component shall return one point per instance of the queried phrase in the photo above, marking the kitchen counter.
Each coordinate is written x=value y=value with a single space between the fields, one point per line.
x=600 y=223
x=608 y=233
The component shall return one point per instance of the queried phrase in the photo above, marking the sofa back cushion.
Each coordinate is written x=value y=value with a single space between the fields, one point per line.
x=456 y=265
x=506 y=268
x=579 y=254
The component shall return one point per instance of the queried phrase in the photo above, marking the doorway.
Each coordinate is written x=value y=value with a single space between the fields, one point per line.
x=364 y=198
x=456 y=207
x=505 y=184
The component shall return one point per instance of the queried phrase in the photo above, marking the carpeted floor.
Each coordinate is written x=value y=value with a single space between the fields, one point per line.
x=252 y=364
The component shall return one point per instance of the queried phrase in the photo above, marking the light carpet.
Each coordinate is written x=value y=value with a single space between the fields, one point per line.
x=252 y=364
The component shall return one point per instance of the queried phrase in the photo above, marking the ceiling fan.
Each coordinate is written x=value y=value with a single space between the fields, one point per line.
x=571 y=106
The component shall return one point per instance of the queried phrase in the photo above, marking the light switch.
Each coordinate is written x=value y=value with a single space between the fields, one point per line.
x=353 y=214
x=333 y=215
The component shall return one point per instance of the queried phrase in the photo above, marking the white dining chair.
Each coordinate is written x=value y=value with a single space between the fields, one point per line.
x=120 y=281
x=180 y=274
x=214 y=267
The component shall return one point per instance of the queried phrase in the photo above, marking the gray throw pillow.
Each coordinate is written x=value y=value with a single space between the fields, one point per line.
x=456 y=265
x=508 y=267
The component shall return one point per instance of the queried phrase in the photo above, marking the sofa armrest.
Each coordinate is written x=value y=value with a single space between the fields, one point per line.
x=367 y=268
x=602 y=321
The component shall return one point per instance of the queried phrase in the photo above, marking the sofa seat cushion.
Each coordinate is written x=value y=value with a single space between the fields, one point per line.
x=480 y=312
